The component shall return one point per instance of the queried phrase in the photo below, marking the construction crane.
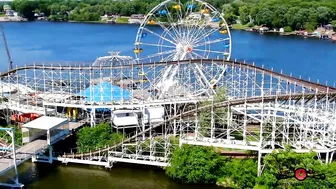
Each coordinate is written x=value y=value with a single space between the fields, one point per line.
x=6 y=47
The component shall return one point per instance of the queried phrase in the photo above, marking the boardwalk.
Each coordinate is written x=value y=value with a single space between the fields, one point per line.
x=77 y=125
x=22 y=154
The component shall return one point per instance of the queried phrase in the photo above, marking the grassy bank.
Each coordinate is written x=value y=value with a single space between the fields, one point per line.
x=122 y=20
x=94 y=22
x=239 y=27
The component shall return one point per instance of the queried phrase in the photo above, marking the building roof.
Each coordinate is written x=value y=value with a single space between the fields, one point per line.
x=105 y=92
x=45 y=123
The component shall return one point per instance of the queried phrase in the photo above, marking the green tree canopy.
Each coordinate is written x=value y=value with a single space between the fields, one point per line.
x=195 y=164
x=92 y=138
x=286 y=162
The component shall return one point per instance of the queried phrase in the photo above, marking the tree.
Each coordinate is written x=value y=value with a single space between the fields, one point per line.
x=25 y=8
x=285 y=163
x=287 y=29
x=235 y=5
x=333 y=23
x=8 y=139
x=239 y=173
x=195 y=165
x=309 y=26
x=279 y=19
x=244 y=14
x=323 y=15
x=265 y=16
x=229 y=15
x=97 y=137
x=220 y=113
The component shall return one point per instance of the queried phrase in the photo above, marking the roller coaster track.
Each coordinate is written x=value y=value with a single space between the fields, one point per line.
x=331 y=97
x=297 y=81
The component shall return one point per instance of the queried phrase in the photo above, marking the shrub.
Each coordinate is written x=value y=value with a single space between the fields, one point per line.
x=288 y=29
x=91 y=138
x=195 y=165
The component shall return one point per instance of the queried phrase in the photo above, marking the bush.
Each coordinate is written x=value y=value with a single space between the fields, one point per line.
x=8 y=139
x=288 y=29
x=195 y=165
x=203 y=165
x=239 y=174
x=97 y=137
x=250 y=24
x=286 y=162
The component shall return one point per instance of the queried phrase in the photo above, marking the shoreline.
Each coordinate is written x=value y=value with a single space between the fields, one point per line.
x=237 y=27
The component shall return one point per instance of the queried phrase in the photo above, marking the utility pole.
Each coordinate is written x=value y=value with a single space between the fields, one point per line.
x=6 y=47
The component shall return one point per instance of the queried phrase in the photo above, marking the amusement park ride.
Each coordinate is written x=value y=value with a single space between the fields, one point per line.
x=182 y=58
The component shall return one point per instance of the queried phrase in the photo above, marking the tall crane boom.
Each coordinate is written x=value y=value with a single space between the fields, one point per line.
x=6 y=47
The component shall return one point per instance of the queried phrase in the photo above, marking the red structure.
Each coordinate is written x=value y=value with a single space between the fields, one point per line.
x=23 y=118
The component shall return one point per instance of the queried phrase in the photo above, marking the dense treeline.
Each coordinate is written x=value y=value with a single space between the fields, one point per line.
x=203 y=165
x=86 y=10
x=292 y=14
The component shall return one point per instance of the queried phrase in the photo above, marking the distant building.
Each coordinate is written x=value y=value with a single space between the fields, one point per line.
x=138 y=16
x=328 y=27
x=263 y=29
x=10 y=13
x=39 y=14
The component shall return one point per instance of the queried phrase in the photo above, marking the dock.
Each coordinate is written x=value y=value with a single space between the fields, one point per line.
x=24 y=153
x=35 y=145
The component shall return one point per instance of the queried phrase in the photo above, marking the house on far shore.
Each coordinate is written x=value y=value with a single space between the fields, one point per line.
x=40 y=16
x=328 y=27
x=263 y=29
x=110 y=18
x=136 y=18
x=260 y=29
x=325 y=32
x=302 y=32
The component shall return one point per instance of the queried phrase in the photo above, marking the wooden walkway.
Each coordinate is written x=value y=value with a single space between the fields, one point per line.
x=76 y=125
x=22 y=154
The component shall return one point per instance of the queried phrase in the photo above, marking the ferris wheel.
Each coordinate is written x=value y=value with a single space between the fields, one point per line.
x=184 y=30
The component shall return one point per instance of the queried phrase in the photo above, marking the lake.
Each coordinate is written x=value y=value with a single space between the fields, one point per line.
x=40 y=42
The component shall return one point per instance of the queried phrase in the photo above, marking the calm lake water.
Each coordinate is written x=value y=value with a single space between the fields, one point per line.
x=45 y=176
x=51 y=42
x=76 y=42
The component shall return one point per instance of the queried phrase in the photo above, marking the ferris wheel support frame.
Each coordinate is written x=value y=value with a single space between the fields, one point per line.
x=185 y=38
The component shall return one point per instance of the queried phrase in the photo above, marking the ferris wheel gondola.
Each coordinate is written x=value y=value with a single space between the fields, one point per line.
x=179 y=30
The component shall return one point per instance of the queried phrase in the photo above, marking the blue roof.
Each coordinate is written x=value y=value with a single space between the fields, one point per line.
x=105 y=92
